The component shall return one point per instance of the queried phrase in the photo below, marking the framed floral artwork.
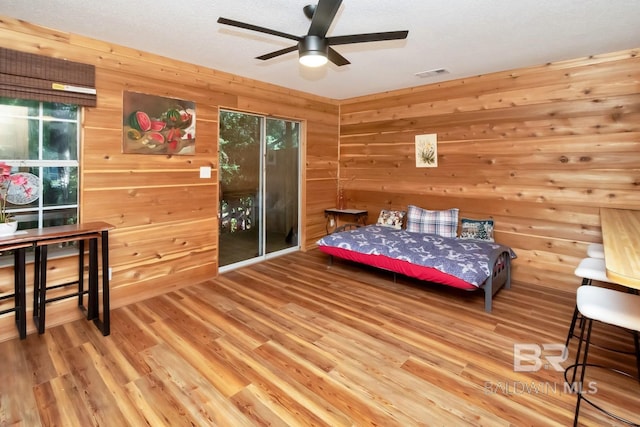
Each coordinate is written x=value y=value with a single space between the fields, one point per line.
x=427 y=151
x=157 y=125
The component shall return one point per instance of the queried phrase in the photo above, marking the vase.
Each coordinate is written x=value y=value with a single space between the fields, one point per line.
x=8 y=228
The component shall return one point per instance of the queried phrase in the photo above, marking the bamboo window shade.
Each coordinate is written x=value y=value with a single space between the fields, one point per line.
x=41 y=78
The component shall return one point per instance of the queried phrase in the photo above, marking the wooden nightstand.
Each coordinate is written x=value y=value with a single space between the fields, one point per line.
x=332 y=215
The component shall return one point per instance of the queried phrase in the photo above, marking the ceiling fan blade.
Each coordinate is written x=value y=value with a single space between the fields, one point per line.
x=336 y=58
x=257 y=28
x=370 y=37
x=278 y=53
x=323 y=17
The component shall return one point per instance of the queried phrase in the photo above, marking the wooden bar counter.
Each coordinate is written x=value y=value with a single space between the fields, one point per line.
x=621 y=239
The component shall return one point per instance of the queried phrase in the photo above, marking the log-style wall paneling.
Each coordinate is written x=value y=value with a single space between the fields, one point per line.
x=166 y=222
x=539 y=150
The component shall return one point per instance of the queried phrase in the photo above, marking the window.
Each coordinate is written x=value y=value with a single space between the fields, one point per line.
x=41 y=141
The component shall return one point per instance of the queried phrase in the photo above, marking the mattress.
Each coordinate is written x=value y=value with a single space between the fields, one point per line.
x=399 y=266
x=461 y=263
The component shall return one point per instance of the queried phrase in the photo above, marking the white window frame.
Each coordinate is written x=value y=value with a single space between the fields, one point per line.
x=42 y=164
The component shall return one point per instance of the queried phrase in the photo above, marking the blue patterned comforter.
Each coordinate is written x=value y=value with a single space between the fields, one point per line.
x=469 y=260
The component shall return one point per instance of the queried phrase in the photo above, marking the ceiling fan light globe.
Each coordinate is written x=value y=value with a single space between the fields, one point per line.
x=313 y=51
x=313 y=59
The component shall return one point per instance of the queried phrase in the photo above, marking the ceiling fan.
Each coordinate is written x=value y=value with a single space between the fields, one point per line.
x=315 y=47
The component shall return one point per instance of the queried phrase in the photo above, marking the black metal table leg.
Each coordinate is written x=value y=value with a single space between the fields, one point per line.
x=36 y=282
x=20 y=283
x=39 y=317
x=81 y=274
x=93 y=311
x=106 y=321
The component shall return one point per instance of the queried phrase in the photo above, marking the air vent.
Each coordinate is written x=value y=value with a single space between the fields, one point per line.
x=432 y=73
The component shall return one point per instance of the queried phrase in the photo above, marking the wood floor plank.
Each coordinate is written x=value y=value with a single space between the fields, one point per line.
x=266 y=320
x=294 y=341
x=476 y=396
x=280 y=383
x=419 y=400
x=340 y=395
x=18 y=402
x=101 y=408
x=201 y=303
x=521 y=396
x=115 y=377
x=196 y=395
x=255 y=409
x=56 y=408
x=308 y=350
x=158 y=402
x=221 y=374
x=180 y=314
x=146 y=406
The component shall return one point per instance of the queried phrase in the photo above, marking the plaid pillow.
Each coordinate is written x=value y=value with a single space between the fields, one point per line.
x=392 y=219
x=444 y=223
x=478 y=229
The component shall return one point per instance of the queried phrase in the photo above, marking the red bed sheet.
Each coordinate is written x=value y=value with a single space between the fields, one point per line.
x=399 y=266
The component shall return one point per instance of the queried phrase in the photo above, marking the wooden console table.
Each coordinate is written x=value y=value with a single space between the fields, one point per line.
x=621 y=240
x=334 y=213
x=41 y=237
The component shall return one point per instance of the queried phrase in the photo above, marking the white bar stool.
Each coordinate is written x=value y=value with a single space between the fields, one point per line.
x=595 y=250
x=616 y=308
x=589 y=269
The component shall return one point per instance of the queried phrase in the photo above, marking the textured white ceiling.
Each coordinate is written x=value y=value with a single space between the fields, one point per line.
x=466 y=37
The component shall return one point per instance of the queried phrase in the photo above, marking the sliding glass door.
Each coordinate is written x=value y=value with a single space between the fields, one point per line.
x=259 y=187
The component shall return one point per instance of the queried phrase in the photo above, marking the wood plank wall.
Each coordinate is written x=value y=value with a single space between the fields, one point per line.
x=539 y=150
x=166 y=216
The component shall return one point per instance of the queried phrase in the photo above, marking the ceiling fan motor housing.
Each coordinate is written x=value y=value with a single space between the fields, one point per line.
x=309 y=45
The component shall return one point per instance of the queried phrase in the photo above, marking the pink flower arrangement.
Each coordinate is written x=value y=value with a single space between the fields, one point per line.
x=6 y=180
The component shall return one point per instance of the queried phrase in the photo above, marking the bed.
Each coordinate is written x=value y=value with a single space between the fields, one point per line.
x=461 y=263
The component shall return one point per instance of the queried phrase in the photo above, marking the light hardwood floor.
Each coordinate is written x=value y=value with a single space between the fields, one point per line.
x=294 y=342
